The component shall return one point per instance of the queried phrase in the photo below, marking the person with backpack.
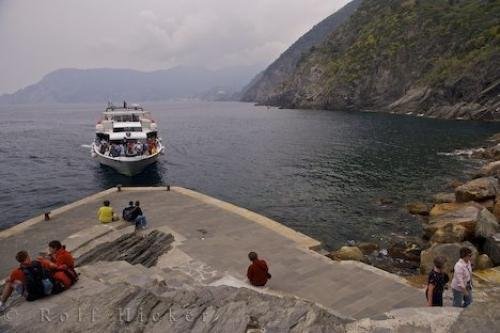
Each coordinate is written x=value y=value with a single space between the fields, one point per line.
x=138 y=217
x=258 y=272
x=126 y=214
x=32 y=279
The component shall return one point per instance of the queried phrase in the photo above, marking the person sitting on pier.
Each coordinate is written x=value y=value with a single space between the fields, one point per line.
x=33 y=280
x=138 y=217
x=127 y=212
x=258 y=272
x=105 y=214
x=61 y=263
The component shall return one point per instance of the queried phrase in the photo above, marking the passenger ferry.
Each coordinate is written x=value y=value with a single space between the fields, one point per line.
x=127 y=139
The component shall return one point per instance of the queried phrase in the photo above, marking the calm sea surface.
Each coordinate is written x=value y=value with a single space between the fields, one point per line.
x=320 y=172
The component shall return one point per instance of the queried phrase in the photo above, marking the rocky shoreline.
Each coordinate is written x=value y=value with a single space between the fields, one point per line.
x=468 y=216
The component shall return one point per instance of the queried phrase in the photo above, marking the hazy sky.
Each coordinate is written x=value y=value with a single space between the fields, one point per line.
x=38 y=36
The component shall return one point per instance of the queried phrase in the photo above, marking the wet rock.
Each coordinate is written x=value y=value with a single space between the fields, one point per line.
x=368 y=248
x=407 y=249
x=492 y=152
x=443 y=197
x=483 y=262
x=133 y=248
x=397 y=266
x=477 y=190
x=463 y=214
x=451 y=251
x=418 y=208
x=491 y=247
x=347 y=253
x=490 y=169
x=487 y=224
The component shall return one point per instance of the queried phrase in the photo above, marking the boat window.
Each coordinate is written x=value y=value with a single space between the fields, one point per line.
x=127 y=129
x=126 y=118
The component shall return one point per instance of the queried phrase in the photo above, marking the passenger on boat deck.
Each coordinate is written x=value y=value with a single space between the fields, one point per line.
x=145 y=148
x=151 y=146
x=115 y=150
x=103 y=147
x=138 y=148
x=131 y=149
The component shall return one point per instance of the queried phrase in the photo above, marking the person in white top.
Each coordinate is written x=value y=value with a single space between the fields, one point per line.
x=461 y=284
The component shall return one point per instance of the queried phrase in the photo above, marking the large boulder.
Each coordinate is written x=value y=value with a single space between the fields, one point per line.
x=487 y=224
x=492 y=248
x=478 y=189
x=451 y=251
x=449 y=233
x=483 y=262
x=465 y=215
x=347 y=253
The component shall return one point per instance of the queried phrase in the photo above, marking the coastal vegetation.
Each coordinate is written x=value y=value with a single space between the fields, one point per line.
x=440 y=58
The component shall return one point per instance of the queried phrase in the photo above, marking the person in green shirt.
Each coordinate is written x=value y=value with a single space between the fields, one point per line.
x=105 y=213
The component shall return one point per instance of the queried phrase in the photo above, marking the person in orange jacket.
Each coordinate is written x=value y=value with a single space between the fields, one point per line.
x=61 y=263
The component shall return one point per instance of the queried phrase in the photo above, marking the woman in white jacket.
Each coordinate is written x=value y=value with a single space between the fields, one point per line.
x=461 y=284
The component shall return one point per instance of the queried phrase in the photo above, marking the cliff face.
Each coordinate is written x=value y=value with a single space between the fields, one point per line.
x=439 y=58
x=282 y=69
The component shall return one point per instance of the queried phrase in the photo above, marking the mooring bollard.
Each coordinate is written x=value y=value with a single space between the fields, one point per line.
x=119 y=187
x=168 y=187
x=47 y=216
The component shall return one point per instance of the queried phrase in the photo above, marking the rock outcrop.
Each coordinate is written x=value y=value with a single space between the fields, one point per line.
x=462 y=216
x=477 y=190
x=134 y=248
x=347 y=253
x=121 y=303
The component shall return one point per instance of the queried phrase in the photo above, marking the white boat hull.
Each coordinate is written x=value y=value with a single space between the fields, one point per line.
x=128 y=166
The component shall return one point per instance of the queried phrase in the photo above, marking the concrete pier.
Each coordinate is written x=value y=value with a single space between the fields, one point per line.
x=212 y=239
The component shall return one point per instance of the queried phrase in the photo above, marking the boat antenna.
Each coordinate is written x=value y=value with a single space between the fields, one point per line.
x=124 y=104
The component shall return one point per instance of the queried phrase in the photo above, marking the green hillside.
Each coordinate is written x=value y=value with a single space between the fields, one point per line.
x=440 y=58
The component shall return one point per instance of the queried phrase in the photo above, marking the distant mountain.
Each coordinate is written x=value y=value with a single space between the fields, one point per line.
x=101 y=85
x=280 y=70
x=436 y=58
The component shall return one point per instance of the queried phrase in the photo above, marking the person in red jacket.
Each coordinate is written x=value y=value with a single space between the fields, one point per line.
x=258 y=272
x=61 y=263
